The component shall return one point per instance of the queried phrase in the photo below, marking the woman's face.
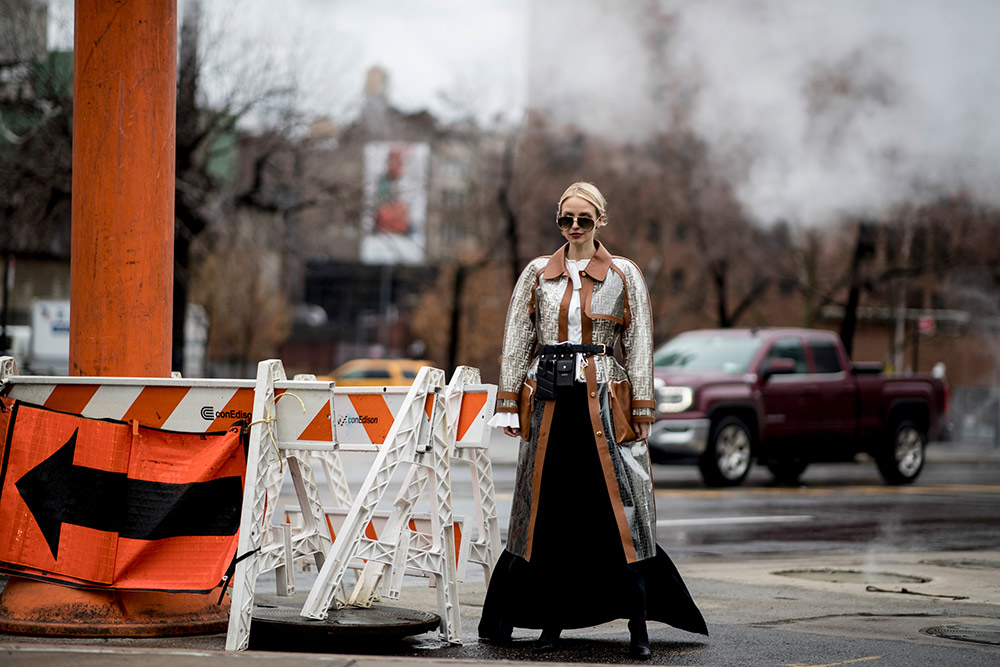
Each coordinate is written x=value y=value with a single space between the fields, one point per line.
x=579 y=207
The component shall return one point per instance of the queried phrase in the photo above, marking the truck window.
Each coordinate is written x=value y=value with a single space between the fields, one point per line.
x=790 y=348
x=729 y=354
x=825 y=356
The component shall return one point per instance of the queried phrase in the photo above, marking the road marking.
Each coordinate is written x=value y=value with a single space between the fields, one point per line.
x=829 y=491
x=834 y=664
x=787 y=518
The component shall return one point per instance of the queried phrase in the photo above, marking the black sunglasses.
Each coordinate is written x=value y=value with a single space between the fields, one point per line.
x=585 y=221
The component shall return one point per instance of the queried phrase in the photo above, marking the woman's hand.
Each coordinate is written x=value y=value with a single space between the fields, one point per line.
x=512 y=431
x=641 y=430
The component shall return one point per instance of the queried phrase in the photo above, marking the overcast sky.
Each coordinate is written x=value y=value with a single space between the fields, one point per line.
x=472 y=51
x=915 y=116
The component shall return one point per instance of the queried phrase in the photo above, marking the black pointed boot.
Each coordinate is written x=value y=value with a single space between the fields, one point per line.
x=546 y=643
x=638 y=646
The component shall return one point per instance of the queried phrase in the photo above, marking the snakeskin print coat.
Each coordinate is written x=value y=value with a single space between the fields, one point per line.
x=615 y=311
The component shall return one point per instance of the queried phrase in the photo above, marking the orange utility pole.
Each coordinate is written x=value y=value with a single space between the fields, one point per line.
x=121 y=272
x=124 y=120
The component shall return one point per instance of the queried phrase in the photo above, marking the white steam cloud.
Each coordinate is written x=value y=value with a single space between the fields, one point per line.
x=816 y=109
x=850 y=106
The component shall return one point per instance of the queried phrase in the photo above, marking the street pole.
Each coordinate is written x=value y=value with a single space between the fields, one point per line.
x=124 y=117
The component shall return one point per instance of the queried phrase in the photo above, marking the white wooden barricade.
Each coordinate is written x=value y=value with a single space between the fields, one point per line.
x=422 y=437
x=467 y=406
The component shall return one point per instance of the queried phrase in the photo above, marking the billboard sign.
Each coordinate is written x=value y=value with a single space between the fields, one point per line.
x=394 y=220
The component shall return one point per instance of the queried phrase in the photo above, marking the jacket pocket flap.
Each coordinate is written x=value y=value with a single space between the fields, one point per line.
x=621 y=410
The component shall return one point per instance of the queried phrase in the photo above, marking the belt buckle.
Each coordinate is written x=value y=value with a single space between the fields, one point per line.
x=604 y=349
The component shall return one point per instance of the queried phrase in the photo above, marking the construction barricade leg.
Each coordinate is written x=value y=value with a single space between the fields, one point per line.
x=264 y=546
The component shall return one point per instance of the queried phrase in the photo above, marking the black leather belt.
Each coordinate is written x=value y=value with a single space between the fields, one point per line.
x=557 y=367
x=548 y=350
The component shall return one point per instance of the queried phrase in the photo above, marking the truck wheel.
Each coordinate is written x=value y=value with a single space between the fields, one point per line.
x=726 y=460
x=901 y=460
x=787 y=471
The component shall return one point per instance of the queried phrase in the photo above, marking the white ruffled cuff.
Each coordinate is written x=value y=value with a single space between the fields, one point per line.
x=503 y=419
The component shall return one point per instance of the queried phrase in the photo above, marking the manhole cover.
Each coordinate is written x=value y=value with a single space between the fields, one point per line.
x=968 y=563
x=284 y=629
x=980 y=634
x=853 y=577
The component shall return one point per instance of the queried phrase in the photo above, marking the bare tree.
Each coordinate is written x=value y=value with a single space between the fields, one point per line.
x=36 y=122
x=208 y=146
x=864 y=251
x=236 y=279
x=36 y=106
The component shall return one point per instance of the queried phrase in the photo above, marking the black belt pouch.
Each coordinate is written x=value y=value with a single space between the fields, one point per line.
x=545 y=376
x=564 y=372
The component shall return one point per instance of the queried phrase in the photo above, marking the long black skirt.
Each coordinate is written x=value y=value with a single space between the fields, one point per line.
x=578 y=575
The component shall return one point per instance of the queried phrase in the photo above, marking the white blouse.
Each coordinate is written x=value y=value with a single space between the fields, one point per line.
x=574 y=332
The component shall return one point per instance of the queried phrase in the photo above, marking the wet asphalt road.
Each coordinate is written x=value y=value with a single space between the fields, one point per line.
x=952 y=506
x=843 y=506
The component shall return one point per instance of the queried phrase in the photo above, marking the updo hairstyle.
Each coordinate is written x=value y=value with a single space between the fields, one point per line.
x=587 y=192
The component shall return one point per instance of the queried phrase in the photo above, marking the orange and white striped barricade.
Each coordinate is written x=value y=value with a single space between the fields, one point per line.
x=173 y=404
x=467 y=405
x=418 y=438
x=302 y=427
x=364 y=416
x=151 y=506
x=410 y=438
x=307 y=428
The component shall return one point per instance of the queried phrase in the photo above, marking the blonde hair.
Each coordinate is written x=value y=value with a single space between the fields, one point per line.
x=588 y=192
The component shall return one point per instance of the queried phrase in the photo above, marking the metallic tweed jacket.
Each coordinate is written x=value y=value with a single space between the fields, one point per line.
x=614 y=309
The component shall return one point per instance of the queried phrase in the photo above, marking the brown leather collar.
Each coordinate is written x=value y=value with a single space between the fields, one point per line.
x=597 y=267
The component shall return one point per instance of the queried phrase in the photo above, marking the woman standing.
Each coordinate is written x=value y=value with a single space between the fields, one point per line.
x=581 y=545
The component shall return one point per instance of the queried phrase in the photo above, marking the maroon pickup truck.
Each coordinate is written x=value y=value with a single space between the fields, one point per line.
x=786 y=398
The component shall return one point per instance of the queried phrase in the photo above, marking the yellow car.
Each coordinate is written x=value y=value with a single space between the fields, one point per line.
x=376 y=372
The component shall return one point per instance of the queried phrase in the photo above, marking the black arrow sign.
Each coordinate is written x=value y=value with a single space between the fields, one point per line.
x=58 y=492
